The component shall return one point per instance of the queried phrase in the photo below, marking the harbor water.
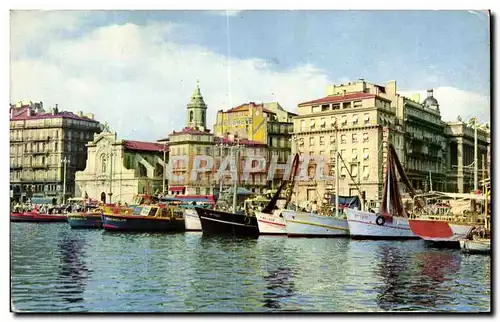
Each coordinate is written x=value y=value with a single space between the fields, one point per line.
x=57 y=269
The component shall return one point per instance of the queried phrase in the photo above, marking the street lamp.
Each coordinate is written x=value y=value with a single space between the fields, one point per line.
x=110 y=156
x=164 y=165
x=65 y=162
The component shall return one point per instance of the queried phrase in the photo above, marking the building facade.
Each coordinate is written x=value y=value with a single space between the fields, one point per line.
x=195 y=140
x=46 y=149
x=460 y=162
x=267 y=123
x=426 y=146
x=117 y=170
x=360 y=119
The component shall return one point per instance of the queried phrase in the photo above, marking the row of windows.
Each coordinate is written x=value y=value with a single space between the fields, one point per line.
x=343 y=153
x=355 y=138
x=343 y=171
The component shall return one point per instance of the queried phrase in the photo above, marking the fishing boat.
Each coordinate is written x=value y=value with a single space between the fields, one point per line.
x=476 y=246
x=85 y=220
x=214 y=222
x=34 y=216
x=187 y=204
x=448 y=224
x=392 y=221
x=152 y=218
x=303 y=224
x=271 y=220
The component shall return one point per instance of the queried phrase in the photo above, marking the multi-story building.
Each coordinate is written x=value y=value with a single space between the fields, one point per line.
x=267 y=123
x=460 y=161
x=196 y=140
x=368 y=118
x=425 y=143
x=117 y=170
x=46 y=149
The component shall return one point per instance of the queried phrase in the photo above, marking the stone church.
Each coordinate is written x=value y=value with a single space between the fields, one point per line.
x=117 y=170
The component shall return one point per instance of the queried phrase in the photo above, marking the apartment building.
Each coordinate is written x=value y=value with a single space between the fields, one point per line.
x=267 y=123
x=42 y=145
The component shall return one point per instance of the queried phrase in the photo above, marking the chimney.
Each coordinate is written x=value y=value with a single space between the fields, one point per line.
x=11 y=112
x=430 y=92
x=79 y=113
x=29 y=111
x=55 y=110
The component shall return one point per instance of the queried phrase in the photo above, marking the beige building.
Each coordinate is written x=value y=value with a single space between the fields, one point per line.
x=460 y=162
x=117 y=170
x=368 y=116
x=42 y=143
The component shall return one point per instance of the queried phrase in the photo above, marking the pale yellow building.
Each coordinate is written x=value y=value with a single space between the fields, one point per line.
x=42 y=144
x=267 y=123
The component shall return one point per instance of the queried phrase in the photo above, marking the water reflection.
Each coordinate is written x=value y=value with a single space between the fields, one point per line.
x=418 y=282
x=279 y=285
x=73 y=270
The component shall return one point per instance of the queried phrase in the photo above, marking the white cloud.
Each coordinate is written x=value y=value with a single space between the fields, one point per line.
x=140 y=81
x=454 y=102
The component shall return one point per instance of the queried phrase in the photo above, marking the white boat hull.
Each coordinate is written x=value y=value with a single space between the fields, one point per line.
x=473 y=246
x=364 y=224
x=271 y=224
x=192 y=220
x=307 y=224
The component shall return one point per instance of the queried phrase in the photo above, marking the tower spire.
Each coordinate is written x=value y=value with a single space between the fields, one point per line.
x=196 y=117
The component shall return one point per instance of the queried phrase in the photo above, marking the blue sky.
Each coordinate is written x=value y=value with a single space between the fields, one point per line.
x=290 y=55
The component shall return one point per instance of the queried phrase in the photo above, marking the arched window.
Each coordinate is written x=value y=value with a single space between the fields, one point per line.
x=203 y=116
x=103 y=163
x=191 y=116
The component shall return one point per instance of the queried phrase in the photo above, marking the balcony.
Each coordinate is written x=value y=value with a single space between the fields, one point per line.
x=40 y=139
x=39 y=166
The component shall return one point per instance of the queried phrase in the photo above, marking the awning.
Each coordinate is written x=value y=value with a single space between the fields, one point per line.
x=176 y=188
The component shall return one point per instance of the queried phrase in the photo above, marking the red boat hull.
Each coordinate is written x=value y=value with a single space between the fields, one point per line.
x=439 y=230
x=36 y=217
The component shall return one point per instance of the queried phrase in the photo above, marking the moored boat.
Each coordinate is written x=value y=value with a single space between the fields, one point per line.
x=476 y=246
x=85 y=220
x=191 y=220
x=439 y=230
x=271 y=224
x=392 y=221
x=33 y=216
x=215 y=222
x=314 y=225
x=363 y=224
x=152 y=218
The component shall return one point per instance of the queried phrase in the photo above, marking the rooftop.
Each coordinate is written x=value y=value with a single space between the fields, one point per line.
x=229 y=141
x=143 y=146
x=191 y=130
x=28 y=113
x=245 y=107
x=340 y=98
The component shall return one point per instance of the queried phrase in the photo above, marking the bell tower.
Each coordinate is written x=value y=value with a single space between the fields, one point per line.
x=196 y=110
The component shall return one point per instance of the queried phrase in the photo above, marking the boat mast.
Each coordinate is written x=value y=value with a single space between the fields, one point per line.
x=235 y=187
x=336 y=169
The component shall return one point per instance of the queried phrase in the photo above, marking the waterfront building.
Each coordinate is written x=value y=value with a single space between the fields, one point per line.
x=116 y=170
x=460 y=161
x=426 y=145
x=367 y=118
x=46 y=149
x=196 y=140
x=267 y=123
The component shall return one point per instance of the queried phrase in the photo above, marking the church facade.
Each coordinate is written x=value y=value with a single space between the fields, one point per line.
x=117 y=170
